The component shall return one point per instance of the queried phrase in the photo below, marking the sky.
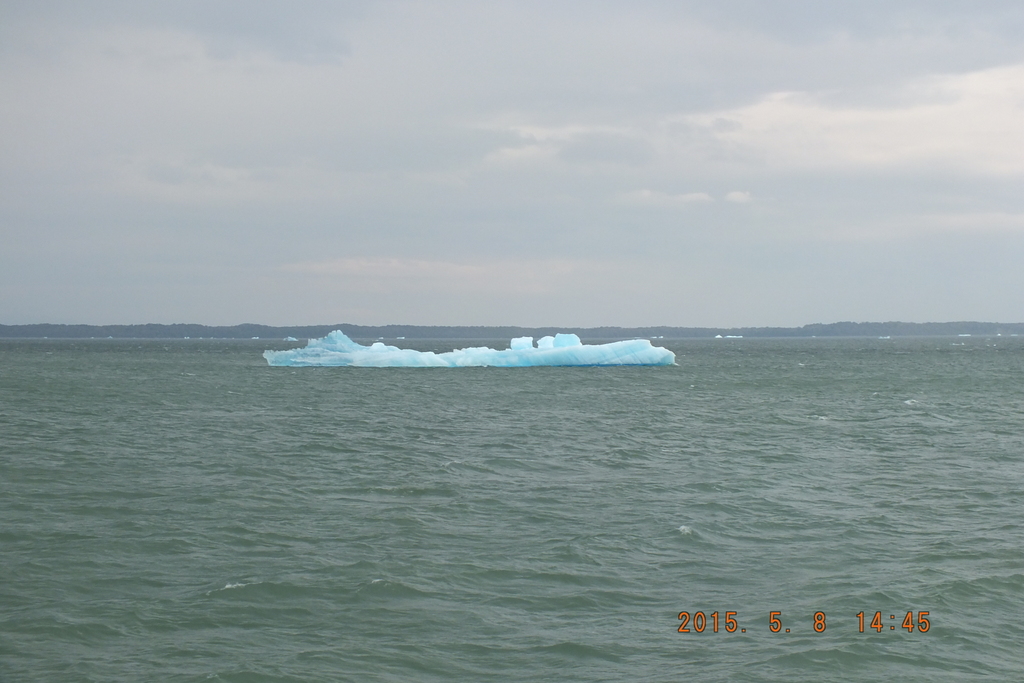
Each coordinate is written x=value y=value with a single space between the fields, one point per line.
x=721 y=163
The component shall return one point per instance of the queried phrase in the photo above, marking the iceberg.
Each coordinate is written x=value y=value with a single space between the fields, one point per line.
x=336 y=349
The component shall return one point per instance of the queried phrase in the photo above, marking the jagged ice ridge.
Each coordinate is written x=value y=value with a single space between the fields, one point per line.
x=336 y=349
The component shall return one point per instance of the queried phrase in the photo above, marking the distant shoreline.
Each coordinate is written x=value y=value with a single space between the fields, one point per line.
x=250 y=331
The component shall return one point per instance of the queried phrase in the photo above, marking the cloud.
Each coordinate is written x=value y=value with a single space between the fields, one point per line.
x=655 y=198
x=972 y=122
x=509 y=276
x=522 y=154
x=226 y=28
x=501 y=148
x=931 y=224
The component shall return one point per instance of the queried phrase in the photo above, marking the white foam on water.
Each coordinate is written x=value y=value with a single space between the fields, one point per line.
x=336 y=349
x=227 y=587
x=685 y=530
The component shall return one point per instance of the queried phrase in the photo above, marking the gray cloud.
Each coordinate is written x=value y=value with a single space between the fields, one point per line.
x=681 y=163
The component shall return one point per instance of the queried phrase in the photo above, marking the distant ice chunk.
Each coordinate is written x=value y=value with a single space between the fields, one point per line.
x=563 y=349
x=563 y=340
x=520 y=343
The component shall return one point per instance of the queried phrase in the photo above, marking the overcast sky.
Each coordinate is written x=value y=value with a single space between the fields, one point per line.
x=720 y=163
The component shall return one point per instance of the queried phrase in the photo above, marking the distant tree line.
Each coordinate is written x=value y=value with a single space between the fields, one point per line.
x=364 y=332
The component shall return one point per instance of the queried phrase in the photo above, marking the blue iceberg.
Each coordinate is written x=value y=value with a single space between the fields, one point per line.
x=563 y=349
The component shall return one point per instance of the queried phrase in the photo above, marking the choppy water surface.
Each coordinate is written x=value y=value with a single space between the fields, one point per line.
x=180 y=511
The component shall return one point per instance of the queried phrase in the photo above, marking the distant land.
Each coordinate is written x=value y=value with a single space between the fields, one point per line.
x=249 y=331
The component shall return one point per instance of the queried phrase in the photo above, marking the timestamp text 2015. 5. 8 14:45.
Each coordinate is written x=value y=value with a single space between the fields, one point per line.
x=702 y=622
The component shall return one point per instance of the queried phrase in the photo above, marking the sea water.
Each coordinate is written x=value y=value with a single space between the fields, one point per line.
x=180 y=511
